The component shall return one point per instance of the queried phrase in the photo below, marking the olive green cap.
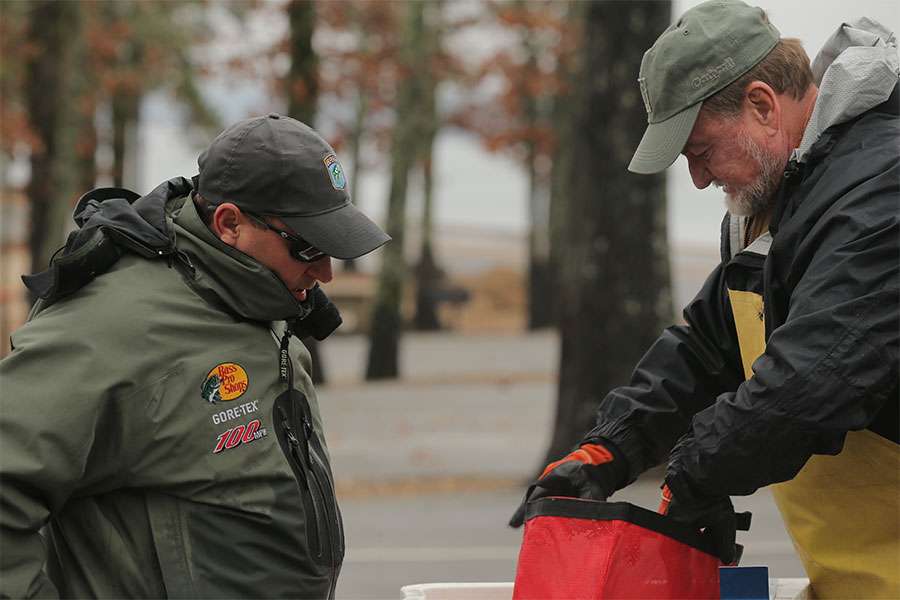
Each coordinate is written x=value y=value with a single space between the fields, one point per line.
x=709 y=47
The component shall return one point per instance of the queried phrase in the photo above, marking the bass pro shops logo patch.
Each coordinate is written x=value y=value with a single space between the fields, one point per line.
x=225 y=382
x=335 y=172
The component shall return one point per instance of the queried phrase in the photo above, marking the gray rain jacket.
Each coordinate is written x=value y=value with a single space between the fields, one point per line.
x=151 y=427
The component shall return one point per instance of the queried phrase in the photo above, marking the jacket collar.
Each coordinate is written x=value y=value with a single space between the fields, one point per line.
x=243 y=285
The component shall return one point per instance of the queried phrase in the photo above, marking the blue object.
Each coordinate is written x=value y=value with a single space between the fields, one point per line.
x=744 y=583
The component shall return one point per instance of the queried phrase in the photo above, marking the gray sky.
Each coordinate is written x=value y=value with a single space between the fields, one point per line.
x=478 y=188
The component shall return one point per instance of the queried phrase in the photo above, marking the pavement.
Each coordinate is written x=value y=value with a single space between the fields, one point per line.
x=429 y=467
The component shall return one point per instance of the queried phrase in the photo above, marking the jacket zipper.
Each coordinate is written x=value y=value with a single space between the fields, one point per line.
x=325 y=482
x=298 y=466
x=311 y=467
x=148 y=250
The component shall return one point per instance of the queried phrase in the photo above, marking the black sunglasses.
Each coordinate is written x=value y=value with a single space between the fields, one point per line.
x=298 y=248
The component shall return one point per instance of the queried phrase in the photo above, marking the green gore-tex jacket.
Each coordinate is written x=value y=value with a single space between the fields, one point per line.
x=149 y=446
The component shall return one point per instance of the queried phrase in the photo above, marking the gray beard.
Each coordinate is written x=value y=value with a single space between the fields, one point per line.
x=758 y=196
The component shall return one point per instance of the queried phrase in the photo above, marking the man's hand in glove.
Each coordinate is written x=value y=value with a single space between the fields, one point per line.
x=592 y=472
x=714 y=517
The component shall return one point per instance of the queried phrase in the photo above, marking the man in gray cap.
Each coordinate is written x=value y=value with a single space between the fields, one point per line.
x=158 y=421
x=786 y=371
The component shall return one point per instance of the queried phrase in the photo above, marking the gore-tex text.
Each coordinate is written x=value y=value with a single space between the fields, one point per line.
x=236 y=412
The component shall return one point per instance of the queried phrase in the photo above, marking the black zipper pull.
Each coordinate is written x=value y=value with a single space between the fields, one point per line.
x=307 y=428
x=286 y=426
x=292 y=439
x=185 y=260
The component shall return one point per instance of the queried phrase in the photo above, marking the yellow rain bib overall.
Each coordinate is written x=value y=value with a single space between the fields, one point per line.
x=842 y=512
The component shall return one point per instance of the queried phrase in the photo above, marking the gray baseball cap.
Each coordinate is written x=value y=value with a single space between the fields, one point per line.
x=709 y=47
x=275 y=165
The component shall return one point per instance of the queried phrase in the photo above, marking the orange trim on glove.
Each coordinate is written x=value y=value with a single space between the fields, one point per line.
x=666 y=500
x=589 y=454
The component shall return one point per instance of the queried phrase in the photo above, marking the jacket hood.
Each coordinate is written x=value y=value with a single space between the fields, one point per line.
x=856 y=70
x=245 y=286
x=163 y=224
x=140 y=219
x=110 y=221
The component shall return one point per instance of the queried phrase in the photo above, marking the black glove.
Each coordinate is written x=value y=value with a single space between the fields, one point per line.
x=593 y=472
x=714 y=518
x=321 y=317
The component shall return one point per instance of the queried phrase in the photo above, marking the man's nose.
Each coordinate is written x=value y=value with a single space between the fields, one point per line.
x=699 y=173
x=321 y=269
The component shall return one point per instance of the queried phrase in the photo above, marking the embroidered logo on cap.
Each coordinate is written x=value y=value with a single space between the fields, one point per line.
x=645 y=94
x=713 y=73
x=225 y=382
x=335 y=172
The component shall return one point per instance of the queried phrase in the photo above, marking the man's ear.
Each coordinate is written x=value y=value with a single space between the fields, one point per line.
x=764 y=107
x=226 y=223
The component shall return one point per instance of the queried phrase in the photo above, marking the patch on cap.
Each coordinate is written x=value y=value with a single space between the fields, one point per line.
x=335 y=172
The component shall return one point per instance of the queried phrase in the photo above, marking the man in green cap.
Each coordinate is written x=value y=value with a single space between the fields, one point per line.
x=159 y=433
x=786 y=371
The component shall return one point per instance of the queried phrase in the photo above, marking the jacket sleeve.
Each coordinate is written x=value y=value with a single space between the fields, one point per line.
x=58 y=439
x=683 y=372
x=828 y=369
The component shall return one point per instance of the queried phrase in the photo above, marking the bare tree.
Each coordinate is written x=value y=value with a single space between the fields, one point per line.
x=361 y=111
x=387 y=321
x=359 y=75
x=148 y=48
x=560 y=173
x=302 y=85
x=427 y=272
x=52 y=33
x=540 y=284
x=520 y=120
x=615 y=294
x=61 y=61
x=302 y=89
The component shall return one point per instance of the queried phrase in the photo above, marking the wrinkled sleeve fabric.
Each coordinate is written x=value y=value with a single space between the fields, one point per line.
x=828 y=369
x=59 y=437
x=683 y=372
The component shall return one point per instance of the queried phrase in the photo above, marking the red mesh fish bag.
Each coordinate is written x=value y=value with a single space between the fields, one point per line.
x=591 y=550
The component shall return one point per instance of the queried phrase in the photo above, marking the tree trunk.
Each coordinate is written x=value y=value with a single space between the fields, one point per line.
x=52 y=32
x=383 y=360
x=86 y=148
x=428 y=274
x=359 y=122
x=540 y=277
x=126 y=105
x=560 y=189
x=539 y=283
x=125 y=101
x=86 y=94
x=84 y=111
x=615 y=275
x=560 y=193
x=302 y=88
x=303 y=78
x=355 y=143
